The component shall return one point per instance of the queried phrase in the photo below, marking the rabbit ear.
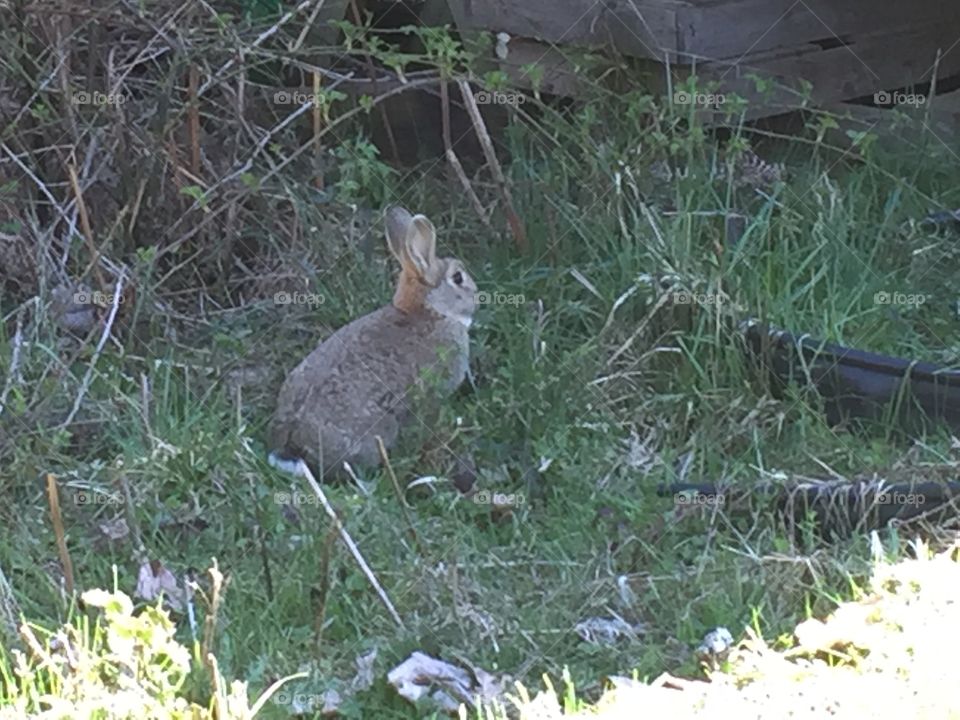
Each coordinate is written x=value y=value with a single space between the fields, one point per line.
x=397 y=220
x=421 y=245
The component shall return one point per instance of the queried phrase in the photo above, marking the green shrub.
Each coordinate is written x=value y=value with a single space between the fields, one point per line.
x=125 y=665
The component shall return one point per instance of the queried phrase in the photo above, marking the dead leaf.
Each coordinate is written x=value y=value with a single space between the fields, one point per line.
x=447 y=686
x=363 y=680
x=606 y=631
x=331 y=703
x=115 y=529
x=716 y=642
x=155 y=580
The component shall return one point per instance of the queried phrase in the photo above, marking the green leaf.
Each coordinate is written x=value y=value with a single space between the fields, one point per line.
x=196 y=192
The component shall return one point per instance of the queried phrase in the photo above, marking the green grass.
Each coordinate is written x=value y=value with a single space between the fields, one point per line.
x=591 y=373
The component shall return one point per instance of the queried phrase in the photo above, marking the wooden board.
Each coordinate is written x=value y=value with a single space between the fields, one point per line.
x=321 y=30
x=615 y=24
x=559 y=75
x=695 y=30
x=733 y=29
x=856 y=55
x=876 y=63
x=938 y=117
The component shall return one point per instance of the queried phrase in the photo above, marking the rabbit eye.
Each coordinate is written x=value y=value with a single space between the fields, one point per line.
x=458 y=278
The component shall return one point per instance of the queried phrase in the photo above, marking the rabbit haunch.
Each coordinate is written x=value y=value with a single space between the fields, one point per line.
x=376 y=375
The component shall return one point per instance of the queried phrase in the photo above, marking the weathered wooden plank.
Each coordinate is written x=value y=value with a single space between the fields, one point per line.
x=879 y=62
x=322 y=30
x=727 y=29
x=632 y=27
x=679 y=32
x=845 y=50
x=939 y=119
x=559 y=76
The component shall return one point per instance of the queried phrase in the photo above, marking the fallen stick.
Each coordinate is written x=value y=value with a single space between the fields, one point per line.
x=348 y=541
x=516 y=225
x=88 y=376
x=454 y=160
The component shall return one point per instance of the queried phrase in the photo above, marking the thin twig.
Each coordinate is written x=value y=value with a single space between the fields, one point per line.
x=348 y=115
x=348 y=541
x=454 y=160
x=266 y=34
x=516 y=225
x=14 y=371
x=88 y=376
x=85 y=226
x=246 y=166
x=53 y=498
x=193 y=118
x=305 y=147
x=467 y=187
x=307 y=27
x=317 y=128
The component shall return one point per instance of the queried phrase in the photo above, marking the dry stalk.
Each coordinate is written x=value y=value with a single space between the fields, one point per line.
x=53 y=498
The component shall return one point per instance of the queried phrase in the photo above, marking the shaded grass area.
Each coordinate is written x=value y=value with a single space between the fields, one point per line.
x=588 y=368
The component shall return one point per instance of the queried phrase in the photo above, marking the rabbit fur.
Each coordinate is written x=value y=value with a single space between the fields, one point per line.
x=360 y=382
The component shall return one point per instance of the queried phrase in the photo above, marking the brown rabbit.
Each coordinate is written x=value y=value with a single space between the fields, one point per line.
x=357 y=384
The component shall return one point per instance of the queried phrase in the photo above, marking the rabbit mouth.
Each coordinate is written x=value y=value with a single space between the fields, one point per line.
x=450 y=310
x=465 y=320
